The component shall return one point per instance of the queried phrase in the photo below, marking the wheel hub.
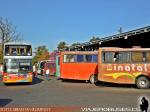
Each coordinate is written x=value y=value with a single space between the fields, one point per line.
x=142 y=82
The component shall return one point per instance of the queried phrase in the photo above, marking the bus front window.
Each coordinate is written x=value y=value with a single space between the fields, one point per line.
x=24 y=68
x=17 y=66
x=11 y=66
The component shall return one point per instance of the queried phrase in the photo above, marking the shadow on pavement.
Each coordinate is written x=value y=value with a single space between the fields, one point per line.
x=107 y=84
x=4 y=102
x=37 y=80
x=72 y=81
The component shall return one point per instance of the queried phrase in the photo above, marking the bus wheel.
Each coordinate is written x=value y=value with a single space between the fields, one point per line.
x=142 y=82
x=93 y=79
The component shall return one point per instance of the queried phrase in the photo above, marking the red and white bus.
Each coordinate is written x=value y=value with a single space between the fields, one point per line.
x=17 y=62
x=125 y=66
x=42 y=65
x=79 y=65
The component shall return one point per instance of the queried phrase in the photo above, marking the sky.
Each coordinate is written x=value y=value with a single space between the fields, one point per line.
x=48 y=22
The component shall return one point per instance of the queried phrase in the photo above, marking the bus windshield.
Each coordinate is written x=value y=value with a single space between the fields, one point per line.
x=17 y=65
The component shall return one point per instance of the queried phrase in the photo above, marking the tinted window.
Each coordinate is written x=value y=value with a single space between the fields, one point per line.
x=88 y=58
x=80 y=58
x=94 y=58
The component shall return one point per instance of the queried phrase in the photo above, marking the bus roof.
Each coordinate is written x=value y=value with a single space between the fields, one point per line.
x=16 y=43
x=79 y=52
x=123 y=49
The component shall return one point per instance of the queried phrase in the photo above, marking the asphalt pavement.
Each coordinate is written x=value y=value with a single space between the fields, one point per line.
x=70 y=93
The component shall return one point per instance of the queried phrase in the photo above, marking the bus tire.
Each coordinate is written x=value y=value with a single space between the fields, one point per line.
x=93 y=79
x=142 y=82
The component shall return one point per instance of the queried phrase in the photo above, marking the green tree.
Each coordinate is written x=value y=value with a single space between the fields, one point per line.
x=62 y=46
x=94 y=39
x=41 y=53
x=75 y=45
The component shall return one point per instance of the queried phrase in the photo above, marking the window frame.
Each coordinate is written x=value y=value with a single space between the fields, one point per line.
x=116 y=62
x=84 y=60
x=131 y=54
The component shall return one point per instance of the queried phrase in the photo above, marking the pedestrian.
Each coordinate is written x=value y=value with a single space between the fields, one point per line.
x=47 y=74
x=144 y=106
x=34 y=71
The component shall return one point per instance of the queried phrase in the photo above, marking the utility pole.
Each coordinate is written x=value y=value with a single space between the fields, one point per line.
x=120 y=30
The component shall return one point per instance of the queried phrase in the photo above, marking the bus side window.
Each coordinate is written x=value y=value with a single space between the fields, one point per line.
x=116 y=56
x=144 y=56
x=148 y=56
x=137 y=57
x=103 y=57
x=107 y=57
x=124 y=57
x=94 y=58
x=88 y=58
x=69 y=58
x=80 y=58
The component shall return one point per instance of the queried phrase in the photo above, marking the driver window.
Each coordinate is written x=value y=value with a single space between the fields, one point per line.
x=116 y=56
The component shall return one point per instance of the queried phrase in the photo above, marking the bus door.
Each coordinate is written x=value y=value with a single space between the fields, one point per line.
x=70 y=68
x=57 y=66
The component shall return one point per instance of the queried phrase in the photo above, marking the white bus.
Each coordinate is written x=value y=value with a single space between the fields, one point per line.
x=17 y=62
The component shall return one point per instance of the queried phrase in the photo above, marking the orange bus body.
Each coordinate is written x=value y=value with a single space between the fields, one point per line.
x=123 y=72
x=77 y=70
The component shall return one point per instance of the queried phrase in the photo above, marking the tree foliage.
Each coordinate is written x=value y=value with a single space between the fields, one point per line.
x=93 y=39
x=62 y=46
x=75 y=45
x=41 y=53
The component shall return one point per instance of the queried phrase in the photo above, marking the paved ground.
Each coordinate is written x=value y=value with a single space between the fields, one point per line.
x=70 y=93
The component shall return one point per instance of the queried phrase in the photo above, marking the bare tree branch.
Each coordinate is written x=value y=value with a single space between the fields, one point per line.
x=8 y=32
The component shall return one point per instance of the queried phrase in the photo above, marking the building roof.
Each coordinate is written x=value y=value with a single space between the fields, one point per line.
x=124 y=35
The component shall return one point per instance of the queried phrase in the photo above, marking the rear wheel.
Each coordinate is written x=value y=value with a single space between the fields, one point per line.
x=142 y=82
x=93 y=79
